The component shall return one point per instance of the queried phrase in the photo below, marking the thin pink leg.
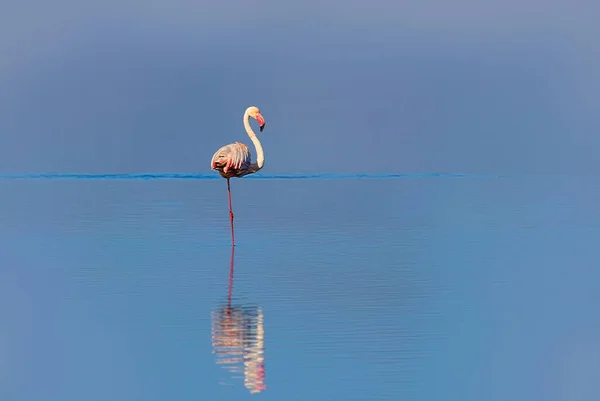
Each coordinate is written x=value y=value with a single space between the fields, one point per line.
x=230 y=212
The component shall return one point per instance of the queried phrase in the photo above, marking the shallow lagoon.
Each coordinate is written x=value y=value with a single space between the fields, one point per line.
x=413 y=287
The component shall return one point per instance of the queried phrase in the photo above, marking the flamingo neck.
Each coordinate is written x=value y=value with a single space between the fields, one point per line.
x=260 y=156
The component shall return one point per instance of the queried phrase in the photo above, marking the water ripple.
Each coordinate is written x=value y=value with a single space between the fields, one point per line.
x=214 y=176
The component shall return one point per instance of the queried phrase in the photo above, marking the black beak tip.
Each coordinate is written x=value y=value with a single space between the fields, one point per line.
x=262 y=127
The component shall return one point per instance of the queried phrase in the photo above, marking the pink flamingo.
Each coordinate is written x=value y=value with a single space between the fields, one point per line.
x=234 y=160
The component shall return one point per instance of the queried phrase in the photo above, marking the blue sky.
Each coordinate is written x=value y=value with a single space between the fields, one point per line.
x=133 y=86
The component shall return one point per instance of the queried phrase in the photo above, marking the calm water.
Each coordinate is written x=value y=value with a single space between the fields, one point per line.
x=411 y=288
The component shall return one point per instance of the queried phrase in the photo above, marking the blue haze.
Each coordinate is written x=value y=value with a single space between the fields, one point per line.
x=468 y=270
x=421 y=87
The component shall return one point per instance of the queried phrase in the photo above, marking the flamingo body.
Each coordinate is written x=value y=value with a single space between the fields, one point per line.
x=233 y=160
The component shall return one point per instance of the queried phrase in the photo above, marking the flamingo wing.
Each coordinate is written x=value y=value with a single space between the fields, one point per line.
x=235 y=156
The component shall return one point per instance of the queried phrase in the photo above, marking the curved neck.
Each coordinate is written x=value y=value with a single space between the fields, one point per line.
x=260 y=156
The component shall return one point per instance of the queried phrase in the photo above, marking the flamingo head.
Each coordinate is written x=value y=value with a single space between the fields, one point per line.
x=254 y=112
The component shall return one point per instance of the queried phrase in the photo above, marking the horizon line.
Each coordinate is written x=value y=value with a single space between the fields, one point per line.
x=208 y=176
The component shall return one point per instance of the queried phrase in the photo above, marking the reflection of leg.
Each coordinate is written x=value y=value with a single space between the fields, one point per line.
x=230 y=289
x=230 y=211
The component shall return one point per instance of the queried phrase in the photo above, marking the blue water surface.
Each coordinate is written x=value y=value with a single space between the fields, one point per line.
x=405 y=287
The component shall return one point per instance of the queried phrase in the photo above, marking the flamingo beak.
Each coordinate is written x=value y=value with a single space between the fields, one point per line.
x=261 y=121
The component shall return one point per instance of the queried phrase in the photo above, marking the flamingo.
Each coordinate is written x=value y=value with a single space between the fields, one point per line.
x=235 y=160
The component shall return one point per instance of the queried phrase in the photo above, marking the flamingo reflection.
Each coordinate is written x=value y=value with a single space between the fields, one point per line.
x=238 y=338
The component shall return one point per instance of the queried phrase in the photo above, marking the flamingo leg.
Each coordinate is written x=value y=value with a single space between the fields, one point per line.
x=230 y=212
